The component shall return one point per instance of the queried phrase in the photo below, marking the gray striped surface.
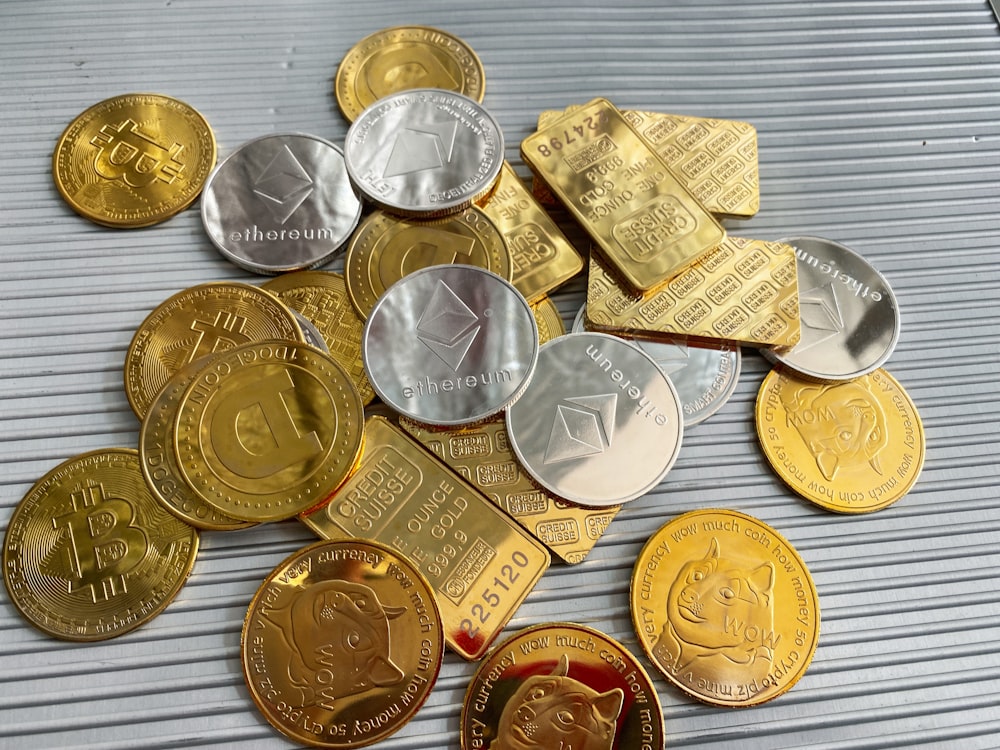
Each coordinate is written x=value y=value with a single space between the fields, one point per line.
x=878 y=127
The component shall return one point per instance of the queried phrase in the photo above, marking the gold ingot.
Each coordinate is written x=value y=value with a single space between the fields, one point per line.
x=542 y=257
x=403 y=58
x=321 y=296
x=133 y=160
x=482 y=454
x=480 y=564
x=89 y=554
x=639 y=215
x=725 y=608
x=548 y=318
x=342 y=644
x=742 y=292
x=385 y=248
x=855 y=446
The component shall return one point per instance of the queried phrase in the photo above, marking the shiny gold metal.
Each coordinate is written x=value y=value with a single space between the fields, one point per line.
x=341 y=644
x=480 y=564
x=542 y=257
x=561 y=685
x=385 y=248
x=742 y=292
x=725 y=608
x=321 y=296
x=639 y=215
x=482 y=454
x=89 y=554
x=133 y=160
x=196 y=322
x=854 y=446
x=403 y=58
x=268 y=430
x=549 y=320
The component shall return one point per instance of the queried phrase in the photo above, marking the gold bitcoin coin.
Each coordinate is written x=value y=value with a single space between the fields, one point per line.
x=548 y=318
x=403 y=58
x=321 y=296
x=342 y=644
x=89 y=554
x=855 y=446
x=194 y=323
x=385 y=248
x=133 y=160
x=268 y=430
x=724 y=607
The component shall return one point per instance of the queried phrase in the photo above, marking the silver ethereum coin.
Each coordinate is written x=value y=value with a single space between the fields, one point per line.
x=704 y=376
x=280 y=203
x=849 y=315
x=450 y=345
x=424 y=152
x=599 y=424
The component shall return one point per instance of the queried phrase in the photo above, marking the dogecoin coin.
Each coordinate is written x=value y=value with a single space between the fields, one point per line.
x=724 y=607
x=850 y=447
x=133 y=160
x=342 y=644
x=89 y=554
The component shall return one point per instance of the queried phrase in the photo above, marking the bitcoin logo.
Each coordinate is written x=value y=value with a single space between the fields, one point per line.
x=125 y=153
x=225 y=332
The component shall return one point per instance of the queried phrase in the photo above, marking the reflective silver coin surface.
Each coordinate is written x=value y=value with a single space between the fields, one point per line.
x=704 y=376
x=599 y=424
x=310 y=332
x=424 y=152
x=450 y=345
x=850 y=319
x=280 y=203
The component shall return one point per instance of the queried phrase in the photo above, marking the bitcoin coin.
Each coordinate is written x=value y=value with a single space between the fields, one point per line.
x=342 y=644
x=133 y=160
x=89 y=554
x=854 y=446
x=402 y=58
x=548 y=318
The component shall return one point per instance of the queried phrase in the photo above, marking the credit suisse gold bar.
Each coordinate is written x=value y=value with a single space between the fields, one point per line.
x=482 y=454
x=480 y=564
x=743 y=292
x=622 y=192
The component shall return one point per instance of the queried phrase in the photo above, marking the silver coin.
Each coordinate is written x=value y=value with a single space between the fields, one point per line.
x=311 y=333
x=599 y=424
x=704 y=376
x=280 y=203
x=450 y=345
x=849 y=316
x=424 y=152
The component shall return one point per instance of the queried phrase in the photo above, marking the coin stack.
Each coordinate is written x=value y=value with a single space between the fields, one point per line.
x=504 y=440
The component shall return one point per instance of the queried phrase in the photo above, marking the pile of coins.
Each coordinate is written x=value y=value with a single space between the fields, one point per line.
x=507 y=440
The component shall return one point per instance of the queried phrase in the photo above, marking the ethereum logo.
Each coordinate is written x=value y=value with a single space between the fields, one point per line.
x=416 y=150
x=447 y=326
x=820 y=313
x=283 y=185
x=583 y=426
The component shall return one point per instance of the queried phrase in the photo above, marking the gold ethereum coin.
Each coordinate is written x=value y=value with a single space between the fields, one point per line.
x=342 y=644
x=196 y=322
x=724 y=607
x=89 y=554
x=268 y=430
x=548 y=318
x=133 y=160
x=403 y=58
x=385 y=248
x=321 y=296
x=855 y=446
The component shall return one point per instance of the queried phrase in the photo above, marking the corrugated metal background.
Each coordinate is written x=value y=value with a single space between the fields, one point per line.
x=878 y=127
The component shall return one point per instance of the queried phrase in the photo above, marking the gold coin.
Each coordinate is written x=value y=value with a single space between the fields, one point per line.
x=851 y=447
x=89 y=554
x=403 y=58
x=321 y=296
x=133 y=160
x=548 y=318
x=385 y=248
x=724 y=607
x=196 y=322
x=268 y=430
x=342 y=644
x=561 y=685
